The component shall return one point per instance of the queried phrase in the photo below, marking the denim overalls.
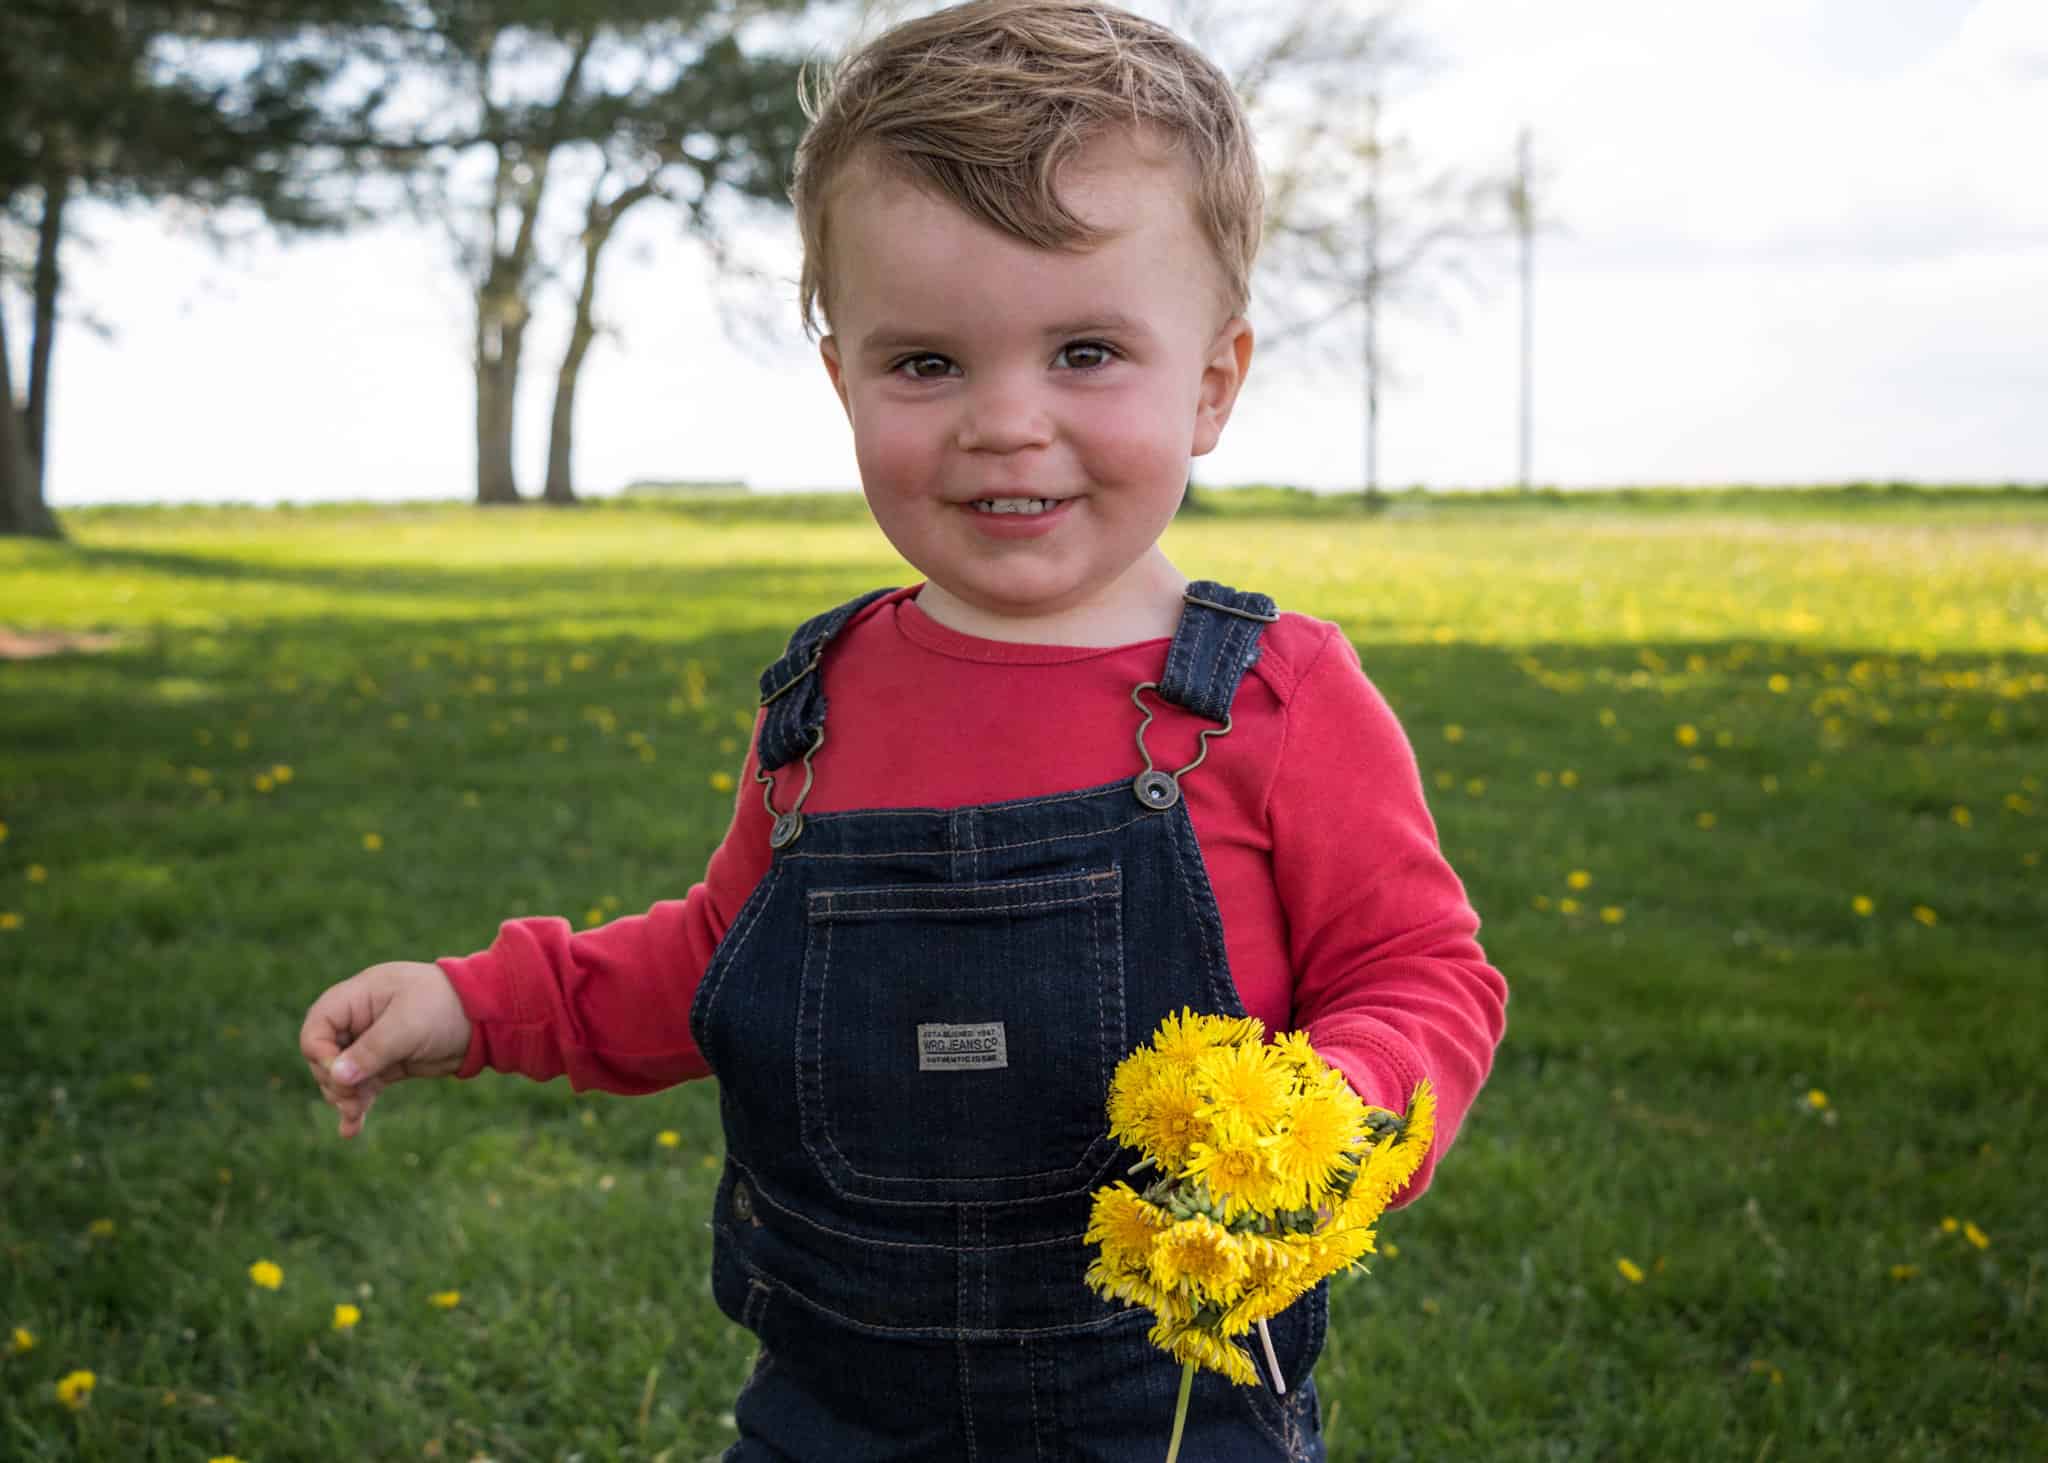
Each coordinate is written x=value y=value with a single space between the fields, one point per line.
x=913 y=1021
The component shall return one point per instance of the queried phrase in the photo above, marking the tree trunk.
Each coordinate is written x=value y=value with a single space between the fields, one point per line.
x=22 y=508
x=500 y=331
x=600 y=219
x=56 y=189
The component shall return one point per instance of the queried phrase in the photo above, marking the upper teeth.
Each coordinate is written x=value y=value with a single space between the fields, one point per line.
x=1013 y=505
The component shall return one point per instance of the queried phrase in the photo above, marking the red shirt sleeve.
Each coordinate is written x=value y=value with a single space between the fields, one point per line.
x=1390 y=981
x=610 y=1006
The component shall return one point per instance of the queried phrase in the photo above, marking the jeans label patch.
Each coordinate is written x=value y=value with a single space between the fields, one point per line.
x=948 y=1048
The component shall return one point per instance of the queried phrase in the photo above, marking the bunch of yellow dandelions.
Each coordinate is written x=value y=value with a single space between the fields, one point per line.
x=1270 y=1174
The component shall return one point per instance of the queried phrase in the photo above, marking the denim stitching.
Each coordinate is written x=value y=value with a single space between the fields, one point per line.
x=760 y=1196
x=745 y=925
x=989 y=848
x=956 y=895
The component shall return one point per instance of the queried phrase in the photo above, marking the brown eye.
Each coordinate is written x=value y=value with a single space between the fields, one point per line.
x=1086 y=355
x=925 y=367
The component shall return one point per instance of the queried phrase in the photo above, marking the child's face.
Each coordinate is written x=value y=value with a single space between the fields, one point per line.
x=982 y=373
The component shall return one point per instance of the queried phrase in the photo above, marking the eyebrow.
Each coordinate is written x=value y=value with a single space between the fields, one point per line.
x=884 y=339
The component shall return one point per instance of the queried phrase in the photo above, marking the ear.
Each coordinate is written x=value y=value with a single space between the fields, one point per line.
x=1230 y=358
x=828 y=351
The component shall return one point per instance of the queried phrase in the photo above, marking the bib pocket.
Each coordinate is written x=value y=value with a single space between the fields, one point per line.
x=955 y=1040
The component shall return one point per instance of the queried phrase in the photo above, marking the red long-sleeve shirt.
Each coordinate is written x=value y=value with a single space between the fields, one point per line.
x=1340 y=915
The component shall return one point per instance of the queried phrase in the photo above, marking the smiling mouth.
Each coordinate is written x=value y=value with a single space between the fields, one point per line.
x=1025 y=506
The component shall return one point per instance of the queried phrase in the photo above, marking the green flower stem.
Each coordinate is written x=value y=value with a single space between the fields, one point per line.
x=1180 y=1410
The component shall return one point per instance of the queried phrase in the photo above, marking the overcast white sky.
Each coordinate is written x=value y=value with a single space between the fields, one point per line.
x=1804 y=240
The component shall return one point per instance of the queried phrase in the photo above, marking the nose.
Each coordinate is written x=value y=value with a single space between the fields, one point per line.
x=1003 y=415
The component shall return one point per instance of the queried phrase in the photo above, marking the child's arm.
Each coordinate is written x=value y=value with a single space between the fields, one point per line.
x=608 y=1007
x=382 y=1025
x=1390 y=981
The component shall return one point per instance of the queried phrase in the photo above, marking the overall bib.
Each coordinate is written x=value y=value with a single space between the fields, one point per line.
x=913 y=1021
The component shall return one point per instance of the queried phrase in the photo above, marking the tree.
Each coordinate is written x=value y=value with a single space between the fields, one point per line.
x=213 y=102
x=1354 y=223
x=692 y=103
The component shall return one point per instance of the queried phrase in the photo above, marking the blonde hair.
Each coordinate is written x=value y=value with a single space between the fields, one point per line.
x=982 y=103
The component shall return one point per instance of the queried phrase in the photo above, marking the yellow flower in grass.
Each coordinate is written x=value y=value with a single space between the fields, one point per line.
x=446 y=1300
x=1630 y=1270
x=346 y=1316
x=267 y=1274
x=1976 y=1236
x=23 y=1340
x=74 y=1389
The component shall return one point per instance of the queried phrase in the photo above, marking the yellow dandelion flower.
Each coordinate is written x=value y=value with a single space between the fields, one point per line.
x=1202 y=1255
x=1960 y=816
x=1976 y=1236
x=1454 y=733
x=1578 y=879
x=1904 y=1272
x=1949 y=1224
x=1182 y=1038
x=1688 y=735
x=101 y=1229
x=1567 y=906
x=1779 y=684
x=1124 y=1224
x=1863 y=905
x=1816 y=1099
x=1193 y=1344
x=37 y=874
x=446 y=1300
x=1244 y=1084
x=1129 y=1093
x=22 y=1340
x=1568 y=778
x=1926 y=916
x=346 y=1315
x=372 y=842
x=281 y=773
x=1630 y=1270
x=1169 y=1118
x=1706 y=820
x=1236 y=1171
x=9 y=920
x=74 y=1389
x=1294 y=1050
x=1612 y=914
x=669 y=1138
x=1322 y=1129
x=721 y=782
x=266 y=1274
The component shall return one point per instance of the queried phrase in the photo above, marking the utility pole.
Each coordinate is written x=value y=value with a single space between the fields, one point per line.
x=1370 y=290
x=1523 y=206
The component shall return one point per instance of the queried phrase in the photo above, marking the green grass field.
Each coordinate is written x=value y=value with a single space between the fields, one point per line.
x=1749 y=795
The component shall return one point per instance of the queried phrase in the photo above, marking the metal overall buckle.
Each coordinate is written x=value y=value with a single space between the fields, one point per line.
x=1161 y=790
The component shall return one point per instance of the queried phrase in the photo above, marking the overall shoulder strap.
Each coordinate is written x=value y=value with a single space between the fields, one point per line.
x=1216 y=642
x=793 y=696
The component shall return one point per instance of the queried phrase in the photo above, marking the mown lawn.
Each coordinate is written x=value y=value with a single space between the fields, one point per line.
x=1750 y=797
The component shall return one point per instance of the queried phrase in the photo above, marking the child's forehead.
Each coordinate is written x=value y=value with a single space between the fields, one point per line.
x=903 y=249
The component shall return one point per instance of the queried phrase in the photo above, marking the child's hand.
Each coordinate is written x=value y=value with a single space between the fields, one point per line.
x=392 y=1021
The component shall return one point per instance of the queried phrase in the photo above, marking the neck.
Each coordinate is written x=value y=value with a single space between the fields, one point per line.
x=1143 y=604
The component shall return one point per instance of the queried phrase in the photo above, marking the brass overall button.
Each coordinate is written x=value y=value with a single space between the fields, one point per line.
x=1156 y=790
x=742 y=1203
x=787 y=827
